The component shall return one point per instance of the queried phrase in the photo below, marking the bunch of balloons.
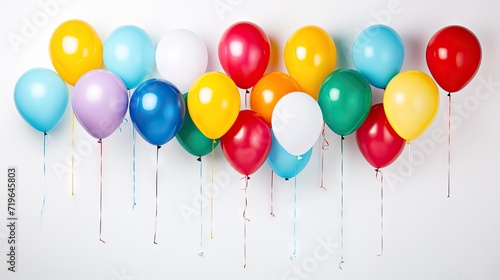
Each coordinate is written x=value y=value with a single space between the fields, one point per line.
x=411 y=98
x=287 y=110
x=100 y=97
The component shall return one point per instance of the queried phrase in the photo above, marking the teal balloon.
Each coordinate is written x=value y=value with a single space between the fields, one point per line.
x=345 y=98
x=41 y=98
x=378 y=53
x=129 y=52
x=191 y=138
x=283 y=163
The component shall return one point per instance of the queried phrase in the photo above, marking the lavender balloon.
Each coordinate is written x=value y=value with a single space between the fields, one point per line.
x=100 y=102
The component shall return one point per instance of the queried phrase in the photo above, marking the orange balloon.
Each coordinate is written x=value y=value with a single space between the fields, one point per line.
x=268 y=90
x=75 y=49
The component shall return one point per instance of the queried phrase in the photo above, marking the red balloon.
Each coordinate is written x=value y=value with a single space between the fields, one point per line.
x=377 y=140
x=247 y=143
x=244 y=53
x=453 y=56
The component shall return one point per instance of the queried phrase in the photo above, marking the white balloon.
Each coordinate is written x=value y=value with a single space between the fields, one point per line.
x=297 y=122
x=181 y=57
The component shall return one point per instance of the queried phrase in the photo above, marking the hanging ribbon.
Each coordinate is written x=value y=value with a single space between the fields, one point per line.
x=156 y=195
x=377 y=173
x=341 y=201
x=247 y=92
x=294 y=253
x=100 y=191
x=134 y=177
x=408 y=143
x=212 y=194
x=44 y=173
x=133 y=166
x=201 y=207
x=449 y=143
x=73 y=155
x=324 y=147
x=272 y=194
x=246 y=220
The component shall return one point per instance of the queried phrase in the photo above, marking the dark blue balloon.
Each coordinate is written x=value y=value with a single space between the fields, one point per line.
x=283 y=163
x=157 y=111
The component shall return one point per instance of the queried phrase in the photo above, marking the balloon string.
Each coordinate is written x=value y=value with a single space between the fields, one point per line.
x=410 y=158
x=44 y=173
x=341 y=202
x=324 y=146
x=133 y=167
x=201 y=207
x=134 y=177
x=377 y=173
x=156 y=195
x=73 y=155
x=247 y=92
x=100 y=191
x=449 y=143
x=294 y=253
x=212 y=194
x=246 y=220
x=272 y=194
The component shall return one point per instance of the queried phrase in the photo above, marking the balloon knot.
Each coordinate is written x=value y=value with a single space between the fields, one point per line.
x=199 y=159
x=99 y=141
x=286 y=179
x=158 y=147
x=45 y=133
x=246 y=178
x=342 y=137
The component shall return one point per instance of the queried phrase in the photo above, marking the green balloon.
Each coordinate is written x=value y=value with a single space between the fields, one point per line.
x=191 y=138
x=345 y=98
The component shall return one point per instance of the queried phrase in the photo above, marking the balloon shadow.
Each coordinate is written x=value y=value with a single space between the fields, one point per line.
x=344 y=52
x=275 y=63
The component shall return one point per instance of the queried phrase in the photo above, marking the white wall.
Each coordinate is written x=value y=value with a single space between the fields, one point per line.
x=427 y=236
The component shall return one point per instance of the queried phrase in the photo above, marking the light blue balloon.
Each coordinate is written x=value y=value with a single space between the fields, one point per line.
x=283 y=163
x=129 y=52
x=41 y=98
x=378 y=53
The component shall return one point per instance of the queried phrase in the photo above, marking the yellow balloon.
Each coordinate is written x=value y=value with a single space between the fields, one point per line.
x=75 y=49
x=213 y=104
x=310 y=55
x=411 y=101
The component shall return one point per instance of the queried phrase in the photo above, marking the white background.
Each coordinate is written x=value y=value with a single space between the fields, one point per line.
x=427 y=236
